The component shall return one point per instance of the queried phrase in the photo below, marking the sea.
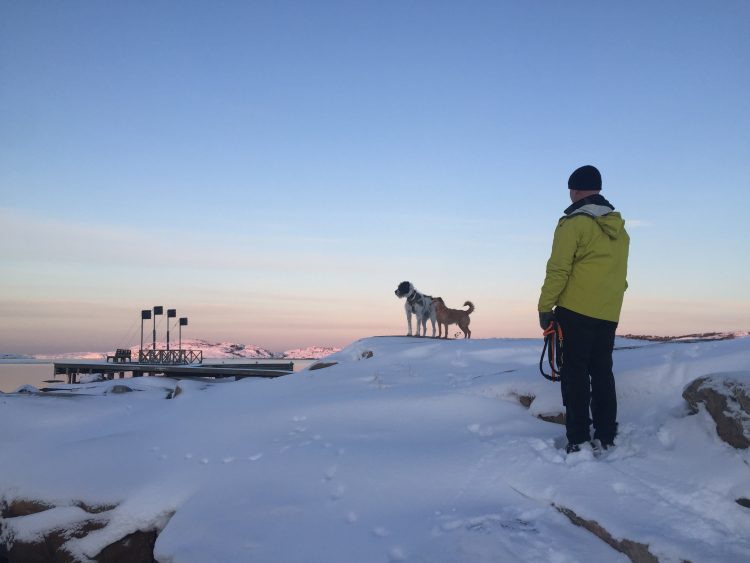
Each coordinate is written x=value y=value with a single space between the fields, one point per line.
x=15 y=373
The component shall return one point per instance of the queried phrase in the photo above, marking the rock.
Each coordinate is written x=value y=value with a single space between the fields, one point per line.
x=23 y=507
x=557 y=417
x=636 y=552
x=727 y=400
x=137 y=547
x=742 y=501
x=321 y=365
x=526 y=400
x=366 y=354
x=117 y=389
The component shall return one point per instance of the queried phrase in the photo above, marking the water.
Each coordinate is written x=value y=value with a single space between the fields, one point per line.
x=15 y=373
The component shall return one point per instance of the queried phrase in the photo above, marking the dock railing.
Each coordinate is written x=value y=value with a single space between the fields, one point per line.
x=170 y=357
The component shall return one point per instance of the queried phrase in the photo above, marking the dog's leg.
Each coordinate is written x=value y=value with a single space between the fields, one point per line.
x=408 y=320
x=433 y=319
x=464 y=326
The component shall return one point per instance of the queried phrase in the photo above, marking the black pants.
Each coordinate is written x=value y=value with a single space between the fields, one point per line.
x=587 y=378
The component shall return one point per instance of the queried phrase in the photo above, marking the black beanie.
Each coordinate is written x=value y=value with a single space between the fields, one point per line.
x=585 y=178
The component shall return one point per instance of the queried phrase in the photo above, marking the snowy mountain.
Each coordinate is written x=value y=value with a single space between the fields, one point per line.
x=74 y=356
x=211 y=350
x=403 y=449
x=309 y=353
x=223 y=350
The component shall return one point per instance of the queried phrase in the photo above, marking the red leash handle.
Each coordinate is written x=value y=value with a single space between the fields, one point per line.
x=553 y=346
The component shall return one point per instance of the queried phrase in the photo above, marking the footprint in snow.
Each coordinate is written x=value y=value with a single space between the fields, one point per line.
x=255 y=457
x=330 y=472
x=396 y=554
x=338 y=492
x=380 y=532
x=227 y=460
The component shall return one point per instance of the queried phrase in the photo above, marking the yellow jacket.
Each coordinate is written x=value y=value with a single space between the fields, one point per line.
x=588 y=267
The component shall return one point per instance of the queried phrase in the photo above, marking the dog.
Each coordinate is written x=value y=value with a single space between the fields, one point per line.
x=419 y=305
x=446 y=316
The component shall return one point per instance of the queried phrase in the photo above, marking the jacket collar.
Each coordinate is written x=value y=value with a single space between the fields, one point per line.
x=594 y=206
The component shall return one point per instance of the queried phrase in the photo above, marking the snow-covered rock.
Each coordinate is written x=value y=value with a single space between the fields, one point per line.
x=726 y=397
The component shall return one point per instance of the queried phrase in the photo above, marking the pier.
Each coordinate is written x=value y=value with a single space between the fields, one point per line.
x=177 y=363
x=73 y=369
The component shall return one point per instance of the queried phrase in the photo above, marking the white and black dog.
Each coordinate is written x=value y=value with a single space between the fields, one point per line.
x=420 y=305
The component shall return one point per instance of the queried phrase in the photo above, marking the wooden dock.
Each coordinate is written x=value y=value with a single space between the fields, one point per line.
x=73 y=369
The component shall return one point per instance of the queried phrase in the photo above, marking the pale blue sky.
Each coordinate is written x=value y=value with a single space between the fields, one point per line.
x=274 y=169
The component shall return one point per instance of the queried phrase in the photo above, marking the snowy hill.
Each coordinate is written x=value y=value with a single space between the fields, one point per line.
x=405 y=449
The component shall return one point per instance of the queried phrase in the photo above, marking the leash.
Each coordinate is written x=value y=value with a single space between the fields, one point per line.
x=553 y=347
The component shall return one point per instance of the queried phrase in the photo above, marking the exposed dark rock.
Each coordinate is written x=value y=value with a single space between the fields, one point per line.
x=636 y=552
x=557 y=418
x=727 y=400
x=366 y=354
x=321 y=365
x=742 y=501
x=23 y=508
x=120 y=389
x=525 y=400
x=47 y=551
x=137 y=547
x=685 y=338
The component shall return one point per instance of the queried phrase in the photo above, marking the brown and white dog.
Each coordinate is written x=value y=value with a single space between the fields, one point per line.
x=446 y=316
x=419 y=305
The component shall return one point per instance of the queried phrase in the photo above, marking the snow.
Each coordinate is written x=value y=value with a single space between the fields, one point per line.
x=421 y=452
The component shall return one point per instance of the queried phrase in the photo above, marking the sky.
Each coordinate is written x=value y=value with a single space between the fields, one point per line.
x=273 y=170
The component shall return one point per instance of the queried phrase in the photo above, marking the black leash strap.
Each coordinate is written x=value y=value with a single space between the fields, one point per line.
x=553 y=348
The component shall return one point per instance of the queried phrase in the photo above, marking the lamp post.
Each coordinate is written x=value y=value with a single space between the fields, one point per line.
x=183 y=322
x=171 y=313
x=145 y=315
x=157 y=311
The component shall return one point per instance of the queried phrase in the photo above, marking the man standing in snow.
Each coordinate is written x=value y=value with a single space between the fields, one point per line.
x=585 y=284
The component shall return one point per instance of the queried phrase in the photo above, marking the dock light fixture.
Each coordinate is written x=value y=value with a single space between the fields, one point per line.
x=183 y=322
x=171 y=313
x=145 y=315
x=158 y=310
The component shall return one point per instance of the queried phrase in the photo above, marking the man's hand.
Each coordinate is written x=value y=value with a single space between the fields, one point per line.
x=545 y=319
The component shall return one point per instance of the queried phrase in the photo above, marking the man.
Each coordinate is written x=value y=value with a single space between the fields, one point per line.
x=585 y=284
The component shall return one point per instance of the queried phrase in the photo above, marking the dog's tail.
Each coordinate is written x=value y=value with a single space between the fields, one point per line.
x=470 y=305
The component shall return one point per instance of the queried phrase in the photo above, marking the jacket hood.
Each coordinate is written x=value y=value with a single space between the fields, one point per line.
x=602 y=211
x=612 y=224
